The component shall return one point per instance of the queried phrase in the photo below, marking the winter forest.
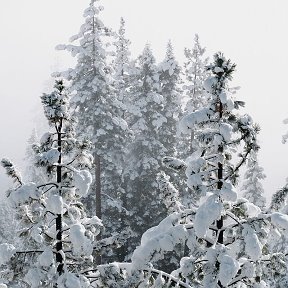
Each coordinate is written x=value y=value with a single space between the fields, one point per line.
x=148 y=175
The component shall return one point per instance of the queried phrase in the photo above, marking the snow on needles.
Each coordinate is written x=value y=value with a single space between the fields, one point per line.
x=82 y=182
x=206 y=214
x=82 y=246
x=6 y=252
x=280 y=220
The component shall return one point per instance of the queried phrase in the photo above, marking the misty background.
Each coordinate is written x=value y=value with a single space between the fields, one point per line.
x=251 y=33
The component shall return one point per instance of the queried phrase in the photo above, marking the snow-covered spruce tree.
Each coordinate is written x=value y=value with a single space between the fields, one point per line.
x=123 y=71
x=99 y=111
x=58 y=237
x=169 y=78
x=252 y=187
x=195 y=73
x=227 y=236
x=146 y=151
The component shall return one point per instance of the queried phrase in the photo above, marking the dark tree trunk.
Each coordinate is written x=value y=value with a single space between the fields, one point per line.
x=98 y=195
x=219 y=223
x=59 y=246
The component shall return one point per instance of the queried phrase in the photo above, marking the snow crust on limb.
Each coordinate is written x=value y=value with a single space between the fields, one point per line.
x=82 y=182
x=69 y=280
x=6 y=253
x=160 y=239
x=206 y=214
x=54 y=203
x=228 y=269
x=24 y=193
x=280 y=220
x=46 y=259
x=253 y=247
x=81 y=245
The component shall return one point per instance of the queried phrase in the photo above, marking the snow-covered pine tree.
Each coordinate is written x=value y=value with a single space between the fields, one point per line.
x=123 y=70
x=146 y=151
x=58 y=237
x=169 y=79
x=252 y=187
x=195 y=73
x=227 y=236
x=99 y=111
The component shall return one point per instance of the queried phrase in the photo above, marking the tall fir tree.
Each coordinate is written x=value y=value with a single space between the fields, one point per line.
x=59 y=237
x=169 y=78
x=100 y=113
x=195 y=73
x=146 y=150
x=252 y=187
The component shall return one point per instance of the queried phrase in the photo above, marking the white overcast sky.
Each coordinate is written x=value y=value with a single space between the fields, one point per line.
x=252 y=33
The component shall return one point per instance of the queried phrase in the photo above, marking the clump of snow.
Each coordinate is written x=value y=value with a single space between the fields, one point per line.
x=228 y=269
x=279 y=220
x=2 y=285
x=69 y=280
x=227 y=192
x=50 y=156
x=23 y=193
x=36 y=234
x=81 y=244
x=187 y=122
x=209 y=84
x=173 y=163
x=161 y=238
x=253 y=247
x=218 y=70
x=46 y=258
x=93 y=221
x=6 y=252
x=251 y=209
x=194 y=180
x=33 y=278
x=54 y=204
x=226 y=131
x=206 y=214
x=46 y=138
x=82 y=182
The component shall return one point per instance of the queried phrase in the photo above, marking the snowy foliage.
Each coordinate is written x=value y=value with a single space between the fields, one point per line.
x=53 y=222
x=252 y=187
x=98 y=89
x=226 y=236
x=142 y=164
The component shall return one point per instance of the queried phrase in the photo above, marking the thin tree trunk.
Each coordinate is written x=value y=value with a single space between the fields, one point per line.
x=98 y=196
x=59 y=246
x=219 y=223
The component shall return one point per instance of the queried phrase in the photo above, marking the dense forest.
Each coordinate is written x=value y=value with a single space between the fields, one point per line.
x=147 y=177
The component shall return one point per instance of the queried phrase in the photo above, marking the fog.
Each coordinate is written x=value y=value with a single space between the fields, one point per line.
x=252 y=33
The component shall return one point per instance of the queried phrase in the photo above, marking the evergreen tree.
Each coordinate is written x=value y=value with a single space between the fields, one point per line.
x=227 y=236
x=58 y=236
x=146 y=151
x=169 y=78
x=100 y=113
x=195 y=73
x=252 y=187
